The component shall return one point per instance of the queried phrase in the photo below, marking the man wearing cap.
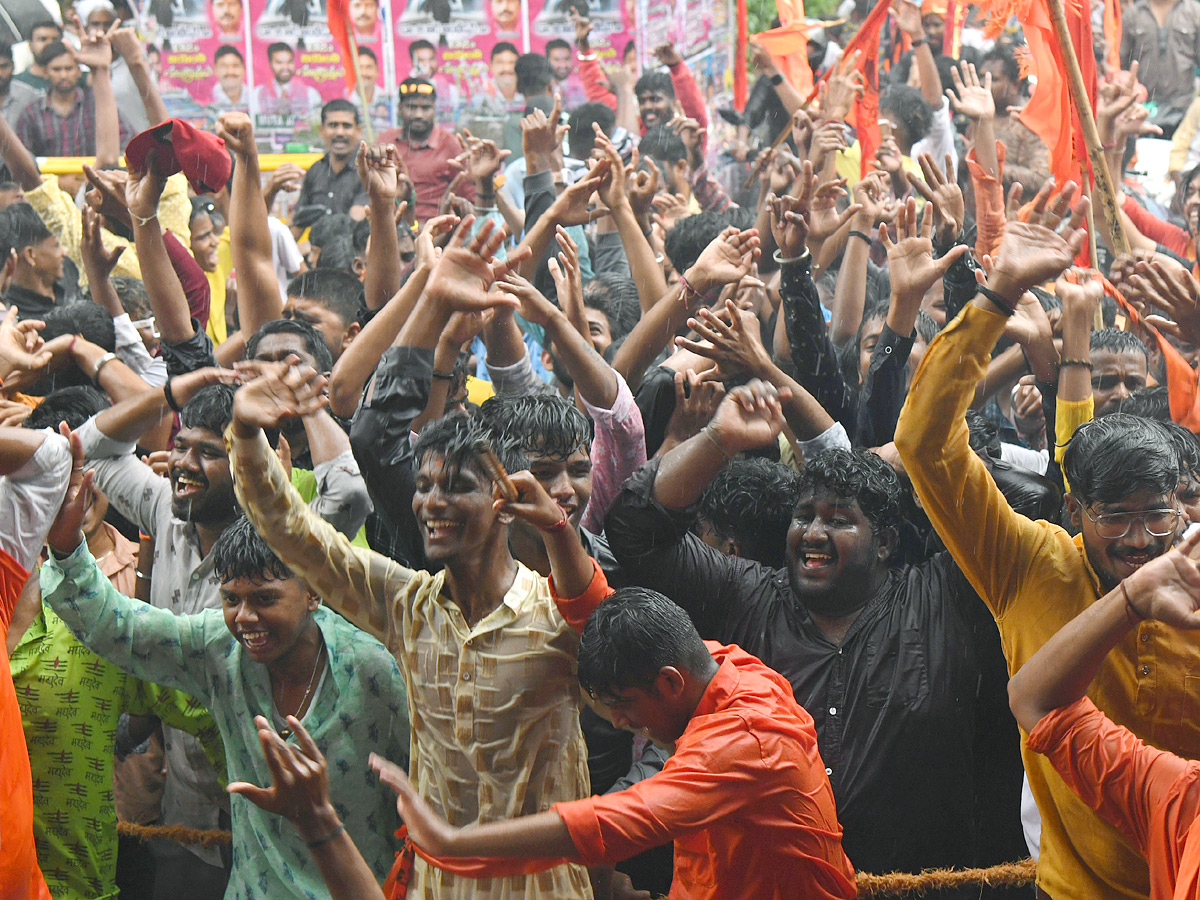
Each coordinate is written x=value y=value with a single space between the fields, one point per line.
x=333 y=180
x=426 y=147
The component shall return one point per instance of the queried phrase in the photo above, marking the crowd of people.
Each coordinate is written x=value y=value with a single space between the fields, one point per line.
x=612 y=514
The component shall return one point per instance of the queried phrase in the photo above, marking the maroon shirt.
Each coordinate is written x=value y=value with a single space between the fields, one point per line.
x=429 y=167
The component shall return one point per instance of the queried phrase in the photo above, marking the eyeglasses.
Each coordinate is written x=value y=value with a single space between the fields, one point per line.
x=1157 y=522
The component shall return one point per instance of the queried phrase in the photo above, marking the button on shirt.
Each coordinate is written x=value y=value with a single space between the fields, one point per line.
x=336 y=191
x=429 y=166
x=45 y=132
x=894 y=703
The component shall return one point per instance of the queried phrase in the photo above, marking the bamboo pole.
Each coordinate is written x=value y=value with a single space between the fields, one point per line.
x=368 y=127
x=1103 y=191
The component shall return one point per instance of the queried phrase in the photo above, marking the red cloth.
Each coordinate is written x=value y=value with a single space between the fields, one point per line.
x=1112 y=33
x=20 y=877
x=595 y=83
x=788 y=46
x=1150 y=796
x=1170 y=236
x=429 y=167
x=745 y=796
x=337 y=15
x=864 y=115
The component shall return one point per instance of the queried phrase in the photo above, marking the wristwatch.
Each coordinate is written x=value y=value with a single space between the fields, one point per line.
x=776 y=79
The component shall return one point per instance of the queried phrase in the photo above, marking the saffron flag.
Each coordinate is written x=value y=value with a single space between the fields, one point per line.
x=337 y=15
x=1112 y=33
x=788 y=44
x=864 y=116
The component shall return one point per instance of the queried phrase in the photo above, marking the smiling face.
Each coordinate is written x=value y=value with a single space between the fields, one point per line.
x=228 y=15
x=505 y=13
x=560 y=62
x=205 y=242
x=341 y=133
x=568 y=482
x=201 y=486
x=268 y=616
x=365 y=15
x=599 y=329
x=283 y=65
x=649 y=711
x=453 y=508
x=1115 y=559
x=1191 y=207
x=834 y=552
x=654 y=107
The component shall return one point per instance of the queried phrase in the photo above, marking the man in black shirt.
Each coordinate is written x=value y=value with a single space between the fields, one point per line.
x=39 y=261
x=333 y=180
x=888 y=659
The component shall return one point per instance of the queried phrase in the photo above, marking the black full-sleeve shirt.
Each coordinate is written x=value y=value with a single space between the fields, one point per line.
x=895 y=702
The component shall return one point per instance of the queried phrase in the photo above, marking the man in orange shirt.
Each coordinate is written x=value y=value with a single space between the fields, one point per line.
x=1151 y=796
x=745 y=796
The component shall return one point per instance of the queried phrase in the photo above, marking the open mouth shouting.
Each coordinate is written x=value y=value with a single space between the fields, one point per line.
x=188 y=485
x=441 y=529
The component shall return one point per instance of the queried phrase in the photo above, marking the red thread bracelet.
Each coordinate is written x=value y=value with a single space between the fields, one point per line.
x=558 y=526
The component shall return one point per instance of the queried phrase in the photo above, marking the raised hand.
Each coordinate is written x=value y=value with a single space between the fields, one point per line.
x=970 y=97
x=641 y=185
x=300 y=788
x=728 y=258
x=689 y=132
x=533 y=504
x=911 y=266
x=942 y=190
x=784 y=170
x=889 y=157
x=612 y=188
x=735 y=347
x=789 y=220
x=534 y=305
x=237 y=131
x=873 y=196
x=583 y=28
x=1035 y=251
x=107 y=195
x=761 y=60
x=1029 y=322
x=287 y=177
x=568 y=276
x=824 y=220
x=281 y=391
x=667 y=54
x=379 y=171
x=845 y=85
x=571 y=206
x=98 y=261
x=484 y=158
x=21 y=347
x=1027 y=412
x=1172 y=288
x=1081 y=296
x=750 y=416
x=66 y=534
x=696 y=401
x=428 y=251
x=542 y=136
x=126 y=43
x=143 y=190
x=908 y=18
x=95 y=47
x=827 y=140
x=460 y=280
x=1167 y=589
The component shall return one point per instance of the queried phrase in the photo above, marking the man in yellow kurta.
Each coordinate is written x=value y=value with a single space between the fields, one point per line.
x=1035 y=577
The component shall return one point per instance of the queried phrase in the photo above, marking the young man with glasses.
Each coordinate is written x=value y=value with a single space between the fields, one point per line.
x=1123 y=473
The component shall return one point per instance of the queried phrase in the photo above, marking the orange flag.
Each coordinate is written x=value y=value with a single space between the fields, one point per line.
x=788 y=44
x=865 y=114
x=1112 y=33
x=337 y=15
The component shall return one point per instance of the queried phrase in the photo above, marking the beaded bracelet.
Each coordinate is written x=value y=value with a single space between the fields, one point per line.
x=1082 y=363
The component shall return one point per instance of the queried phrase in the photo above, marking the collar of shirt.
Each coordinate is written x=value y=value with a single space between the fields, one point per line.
x=29 y=304
x=75 y=104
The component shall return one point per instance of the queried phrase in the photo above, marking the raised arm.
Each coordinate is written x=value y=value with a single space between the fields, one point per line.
x=95 y=51
x=125 y=41
x=380 y=171
x=258 y=300
x=17 y=157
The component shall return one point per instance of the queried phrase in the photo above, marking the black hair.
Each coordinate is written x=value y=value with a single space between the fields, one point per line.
x=6 y=50
x=534 y=75
x=751 y=501
x=631 y=637
x=927 y=328
x=907 y=103
x=454 y=437
x=340 y=105
x=581 y=138
x=1003 y=54
x=337 y=255
x=504 y=47
x=360 y=235
x=240 y=552
x=336 y=290
x=616 y=296
x=329 y=227
x=314 y=343
x=1187 y=446
x=368 y=52
x=421 y=44
x=274 y=48
x=655 y=81
x=87 y=319
x=1114 y=340
x=51 y=52
x=1109 y=458
x=689 y=236
x=43 y=23
x=540 y=424
x=211 y=409
x=228 y=50
x=135 y=300
x=1149 y=403
x=984 y=434
x=556 y=44
x=857 y=475
x=24 y=226
x=202 y=205
x=663 y=145
x=73 y=405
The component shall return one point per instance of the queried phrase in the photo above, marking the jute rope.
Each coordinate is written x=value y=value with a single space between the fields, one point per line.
x=1016 y=874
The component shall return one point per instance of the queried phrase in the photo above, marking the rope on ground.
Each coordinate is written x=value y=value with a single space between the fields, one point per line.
x=896 y=884
x=180 y=834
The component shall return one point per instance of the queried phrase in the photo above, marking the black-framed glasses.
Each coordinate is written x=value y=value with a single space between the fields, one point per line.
x=1157 y=522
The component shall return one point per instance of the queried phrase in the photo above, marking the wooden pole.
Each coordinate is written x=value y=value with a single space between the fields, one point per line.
x=368 y=128
x=1103 y=192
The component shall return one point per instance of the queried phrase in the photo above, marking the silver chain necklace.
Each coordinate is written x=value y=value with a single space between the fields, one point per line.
x=286 y=732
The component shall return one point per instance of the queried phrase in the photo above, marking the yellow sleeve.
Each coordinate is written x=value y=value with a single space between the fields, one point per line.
x=58 y=210
x=175 y=209
x=993 y=545
x=1181 y=141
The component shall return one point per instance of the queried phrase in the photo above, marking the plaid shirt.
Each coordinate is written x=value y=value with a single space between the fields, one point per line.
x=46 y=133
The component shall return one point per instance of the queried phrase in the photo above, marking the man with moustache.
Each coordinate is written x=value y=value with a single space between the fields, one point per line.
x=230 y=91
x=426 y=147
x=332 y=181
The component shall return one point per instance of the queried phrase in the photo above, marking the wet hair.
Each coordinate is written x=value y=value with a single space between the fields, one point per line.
x=51 y=52
x=1003 y=54
x=751 y=501
x=656 y=81
x=338 y=105
x=857 y=475
x=1114 y=456
x=1114 y=340
x=927 y=328
x=581 y=138
x=89 y=320
x=211 y=409
x=336 y=290
x=534 y=75
x=240 y=552
x=616 y=296
x=338 y=254
x=1187 y=446
x=984 y=434
x=631 y=637
x=663 y=145
x=1149 y=403
x=202 y=205
x=504 y=47
x=73 y=405
x=23 y=227
x=689 y=236
x=135 y=300
x=329 y=227
x=314 y=343
x=454 y=438
x=228 y=50
x=543 y=425
x=906 y=102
